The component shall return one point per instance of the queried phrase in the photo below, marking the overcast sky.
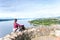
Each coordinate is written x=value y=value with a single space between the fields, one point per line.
x=29 y=8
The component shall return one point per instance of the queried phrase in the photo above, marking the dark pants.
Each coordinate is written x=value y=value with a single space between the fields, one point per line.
x=22 y=28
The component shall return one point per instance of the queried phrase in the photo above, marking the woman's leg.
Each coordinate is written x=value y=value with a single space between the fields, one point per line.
x=15 y=29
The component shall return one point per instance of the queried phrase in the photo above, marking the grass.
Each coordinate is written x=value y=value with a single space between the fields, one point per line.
x=45 y=21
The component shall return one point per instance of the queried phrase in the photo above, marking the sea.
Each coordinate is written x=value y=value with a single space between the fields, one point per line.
x=6 y=27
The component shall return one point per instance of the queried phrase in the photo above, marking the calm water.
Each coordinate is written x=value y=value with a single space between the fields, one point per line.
x=6 y=27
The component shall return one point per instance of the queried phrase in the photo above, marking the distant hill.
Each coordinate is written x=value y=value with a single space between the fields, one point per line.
x=58 y=17
x=9 y=19
x=6 y=19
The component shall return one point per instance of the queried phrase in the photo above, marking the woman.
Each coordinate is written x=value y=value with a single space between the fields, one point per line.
x=18 y=26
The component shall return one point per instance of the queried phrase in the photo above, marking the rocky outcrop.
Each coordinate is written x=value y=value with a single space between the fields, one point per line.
x=29 y=34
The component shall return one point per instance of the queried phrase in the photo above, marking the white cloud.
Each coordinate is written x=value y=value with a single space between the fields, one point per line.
x=50 y=11
x=34 y=11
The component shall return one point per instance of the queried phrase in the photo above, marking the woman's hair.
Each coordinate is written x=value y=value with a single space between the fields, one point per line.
x=15 y=20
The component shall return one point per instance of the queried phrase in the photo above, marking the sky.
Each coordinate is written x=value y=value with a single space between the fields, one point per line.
x=29 y=8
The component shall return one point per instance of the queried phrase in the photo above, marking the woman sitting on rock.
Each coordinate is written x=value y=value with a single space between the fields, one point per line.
x=18 y=26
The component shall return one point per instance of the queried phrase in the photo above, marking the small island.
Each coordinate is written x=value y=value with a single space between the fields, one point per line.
x=45 y=21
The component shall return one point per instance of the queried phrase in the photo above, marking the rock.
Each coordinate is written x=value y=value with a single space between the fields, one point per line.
x=7 y=39
x=29 y=34
x=57 y=33
x=52 y=33
x=14 y=35
x=7 y=36
x=19 y=33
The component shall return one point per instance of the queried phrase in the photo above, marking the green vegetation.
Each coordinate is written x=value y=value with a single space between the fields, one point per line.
x=45 y=21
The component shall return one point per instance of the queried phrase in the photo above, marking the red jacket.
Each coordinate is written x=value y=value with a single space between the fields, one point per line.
x=16 y=25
